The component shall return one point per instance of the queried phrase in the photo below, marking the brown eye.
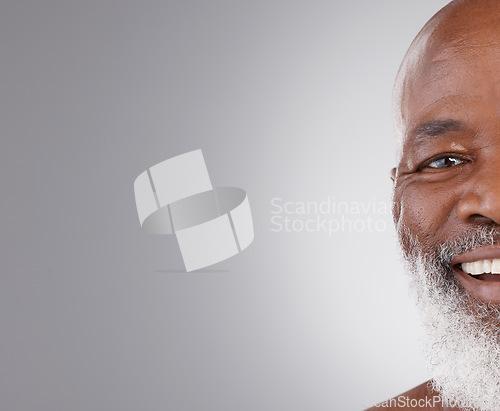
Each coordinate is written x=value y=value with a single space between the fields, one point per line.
x=445 y=162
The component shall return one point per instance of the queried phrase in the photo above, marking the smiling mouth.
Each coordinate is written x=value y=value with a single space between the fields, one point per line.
x=478 y=271
x=484 y=270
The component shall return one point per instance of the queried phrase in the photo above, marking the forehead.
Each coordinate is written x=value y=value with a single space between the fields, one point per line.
x=452 y=67
x=455 y=83
x=452 y=77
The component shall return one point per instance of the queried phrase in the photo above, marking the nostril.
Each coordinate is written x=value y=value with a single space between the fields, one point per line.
x=481 y=219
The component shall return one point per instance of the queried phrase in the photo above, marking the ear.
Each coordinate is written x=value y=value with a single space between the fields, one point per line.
x=393 y=174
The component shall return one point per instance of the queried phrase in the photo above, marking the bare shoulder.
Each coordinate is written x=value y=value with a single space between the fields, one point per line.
x=422 y=397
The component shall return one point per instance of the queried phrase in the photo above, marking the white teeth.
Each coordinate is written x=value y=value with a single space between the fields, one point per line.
x=482 y=267
x=487 y=266
x=477 y=267
x=495 y=266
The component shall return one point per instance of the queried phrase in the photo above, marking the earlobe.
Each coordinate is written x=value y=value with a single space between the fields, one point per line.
x=393 y=174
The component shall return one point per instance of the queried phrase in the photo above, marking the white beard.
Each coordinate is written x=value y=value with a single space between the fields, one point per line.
x=462 y=332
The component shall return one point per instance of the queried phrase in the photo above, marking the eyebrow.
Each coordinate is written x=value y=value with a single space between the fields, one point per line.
x=435 y=128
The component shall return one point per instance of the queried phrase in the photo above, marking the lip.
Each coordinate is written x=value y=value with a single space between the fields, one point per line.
x=488 y=252
x=485 y=290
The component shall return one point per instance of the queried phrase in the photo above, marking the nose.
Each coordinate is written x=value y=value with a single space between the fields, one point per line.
x=481 y=200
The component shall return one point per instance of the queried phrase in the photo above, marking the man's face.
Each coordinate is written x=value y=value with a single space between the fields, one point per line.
x=447 y=197
x=447 y=182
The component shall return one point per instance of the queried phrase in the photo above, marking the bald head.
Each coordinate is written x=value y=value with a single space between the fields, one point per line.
x=459 y=43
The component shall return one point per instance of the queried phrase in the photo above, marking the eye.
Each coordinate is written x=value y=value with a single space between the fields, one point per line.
x=444 y=162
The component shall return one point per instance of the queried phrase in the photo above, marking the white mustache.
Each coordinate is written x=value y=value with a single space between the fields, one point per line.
x=445 y=252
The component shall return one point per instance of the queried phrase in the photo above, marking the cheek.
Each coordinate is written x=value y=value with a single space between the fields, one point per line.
x=425 y=209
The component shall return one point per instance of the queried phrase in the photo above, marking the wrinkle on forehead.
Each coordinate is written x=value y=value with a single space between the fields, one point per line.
x=459 y=32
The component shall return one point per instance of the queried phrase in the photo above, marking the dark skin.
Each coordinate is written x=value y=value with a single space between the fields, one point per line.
x=447 y=181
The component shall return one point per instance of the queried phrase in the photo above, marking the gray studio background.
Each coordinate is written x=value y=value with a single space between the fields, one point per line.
x=287 y=99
